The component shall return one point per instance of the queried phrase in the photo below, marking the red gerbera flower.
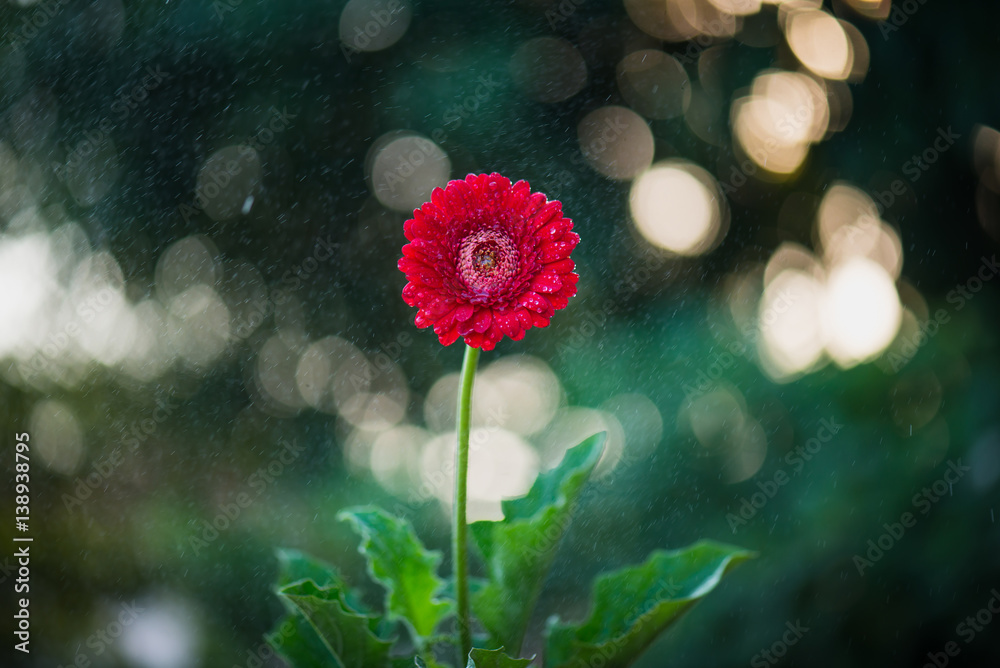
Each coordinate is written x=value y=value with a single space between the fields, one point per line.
x=487 y=259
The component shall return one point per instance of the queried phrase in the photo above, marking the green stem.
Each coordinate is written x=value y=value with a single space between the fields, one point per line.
x=460 y=548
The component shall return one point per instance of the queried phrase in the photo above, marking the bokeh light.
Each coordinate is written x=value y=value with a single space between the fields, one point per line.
x=501 y=465
x=654 y=83
x=374 y=25
x=783 y=116
x=548 y=69
x=680 y=20
x=404 y=168
x=227 y=182
x=720 y=421
x=573 y=424
x=818 y=41
x=58 y=438
x=616 y=142
x=677 y=206
x=165 y=634
x=861 y=312
x=843 y=305
x=792 y=337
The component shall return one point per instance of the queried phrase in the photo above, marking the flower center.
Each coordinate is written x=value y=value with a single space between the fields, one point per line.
x=486 y=260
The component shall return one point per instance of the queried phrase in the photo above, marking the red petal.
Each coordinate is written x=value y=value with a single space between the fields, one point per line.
x=446 y=335
x=508 y=323
x=553 y=231
x=415 y=228
x=410 y=292
x=548 y=212
x=474 y=339
x=492 y=336
x=421 y=320
x=438 y=198
x=535 y=302
x=556 y=251
x=518 y=195
x=539 y=320
x=482 y=320
x=546 y=283
x=454 y=316
x=535 y=204
x=561 y=266
x=494 y=182
x=437 y=307
x=465 y=327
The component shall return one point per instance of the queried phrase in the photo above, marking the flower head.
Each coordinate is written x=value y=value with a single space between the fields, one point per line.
x=486 y=259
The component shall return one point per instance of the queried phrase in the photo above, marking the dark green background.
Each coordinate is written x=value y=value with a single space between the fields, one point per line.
x=938 y=70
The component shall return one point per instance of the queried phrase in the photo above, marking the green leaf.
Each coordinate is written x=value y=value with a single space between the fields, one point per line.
x=296 y=641
x=398 y=561
x=494 y=658
x=294 y=637
x=295 y=566
x=347 y=636
x=634 y=605
x=519 y=549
